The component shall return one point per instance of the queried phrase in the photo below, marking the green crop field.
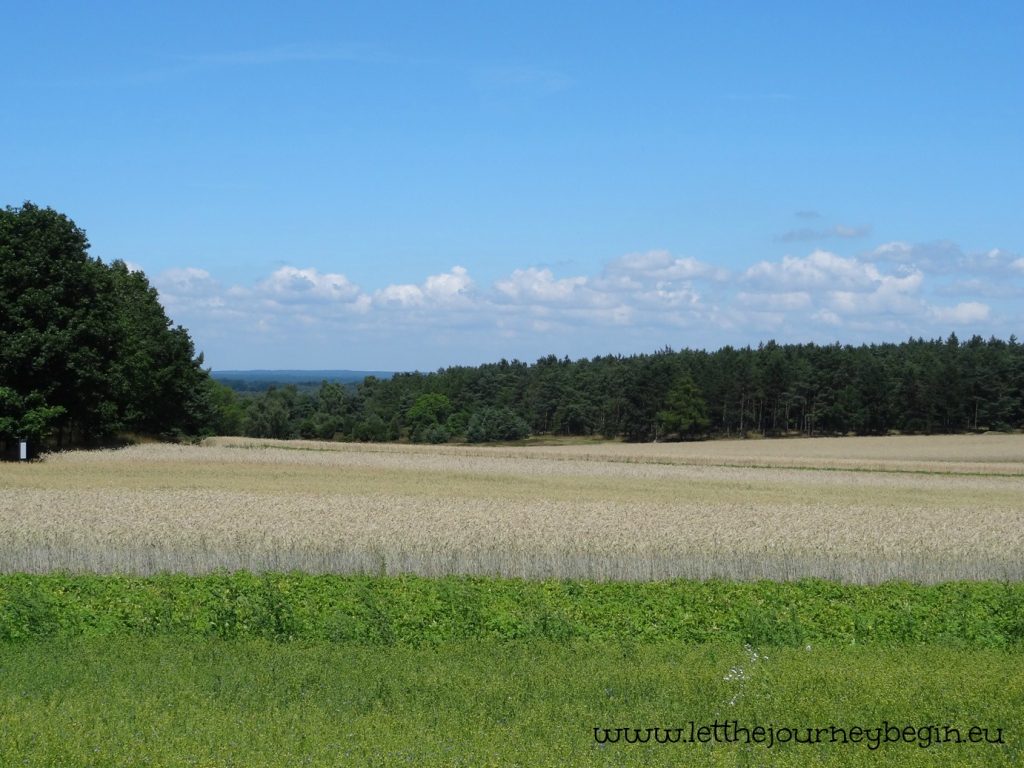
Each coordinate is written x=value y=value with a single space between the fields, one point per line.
x=281 y=670
x=210 y=702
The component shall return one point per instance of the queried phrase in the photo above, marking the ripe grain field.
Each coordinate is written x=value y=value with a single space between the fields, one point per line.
x=859 y=510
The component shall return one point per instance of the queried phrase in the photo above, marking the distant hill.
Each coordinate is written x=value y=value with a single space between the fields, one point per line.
x=261 y=380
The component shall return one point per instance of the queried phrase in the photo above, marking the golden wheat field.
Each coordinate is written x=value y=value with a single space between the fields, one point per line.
x=863 y=510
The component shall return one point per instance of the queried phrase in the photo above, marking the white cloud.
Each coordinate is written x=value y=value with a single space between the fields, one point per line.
x=189 y=281
x=449 y=289
x=965 y=312
x=786 y=300
x=638 y=301
x=402 y=295
x=539 y=285
x=303 y=286
x=827 y=316
x=819 y=269
x=895 y=251
x=450 y=286
x=669 y=294
x=945 y=258
x=863 y=295
x=190 y=289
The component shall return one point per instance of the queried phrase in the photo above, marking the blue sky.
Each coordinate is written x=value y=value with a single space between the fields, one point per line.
x=415 y=185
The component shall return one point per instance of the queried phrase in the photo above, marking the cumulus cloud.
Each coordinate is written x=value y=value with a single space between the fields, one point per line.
x=941 y=256
x=889 y=294
x=828 y=317
x=405 y=295
x=301 y=286
x=964 y=312
x=994 y=262
x=784 y=300
x=642 y=299
x=452 y=288
x=188 y=289
x=885 y=291
x=189 y=281
x=954 y=272
x=819 y=269
x=893 y=251
x=669 y=294
x=541 y=286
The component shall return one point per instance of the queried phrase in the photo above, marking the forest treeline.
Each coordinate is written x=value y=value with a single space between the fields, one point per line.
x=918 y=386
x=87 y=353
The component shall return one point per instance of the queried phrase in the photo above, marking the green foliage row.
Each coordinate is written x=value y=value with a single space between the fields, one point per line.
x=379 y=610
x=936 y=386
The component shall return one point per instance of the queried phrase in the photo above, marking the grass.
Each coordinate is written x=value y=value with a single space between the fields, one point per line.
x=202 y=702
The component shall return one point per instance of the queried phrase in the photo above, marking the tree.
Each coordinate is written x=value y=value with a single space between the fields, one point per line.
x=490 y=424
x=57 y=329
x=85 y=348
x=228 y=412
x=162 y=383
x=425 y=416
x=27 y=418
x=686 y=413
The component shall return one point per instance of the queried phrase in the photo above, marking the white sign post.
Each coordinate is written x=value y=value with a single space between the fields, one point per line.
x=23 y=450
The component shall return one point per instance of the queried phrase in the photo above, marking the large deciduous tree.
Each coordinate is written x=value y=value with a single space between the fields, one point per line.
x=85 y=348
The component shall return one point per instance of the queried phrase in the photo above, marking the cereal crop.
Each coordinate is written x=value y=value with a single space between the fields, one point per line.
x=858 y=510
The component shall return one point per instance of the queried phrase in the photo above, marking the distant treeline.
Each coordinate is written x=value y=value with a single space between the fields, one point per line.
x=261 y=381
x=918 y=386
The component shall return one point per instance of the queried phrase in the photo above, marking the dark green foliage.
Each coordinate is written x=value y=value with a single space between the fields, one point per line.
x=489 y=424
x=163 y=388
x=27 y=417
x=435 y=434
x=370 y=429
x=85 y=348
x=456 y=424
x=919 y=386
x=685 y=411
x=416 y=611
x=228 y=410
x=277 y=414
x=426 y=416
